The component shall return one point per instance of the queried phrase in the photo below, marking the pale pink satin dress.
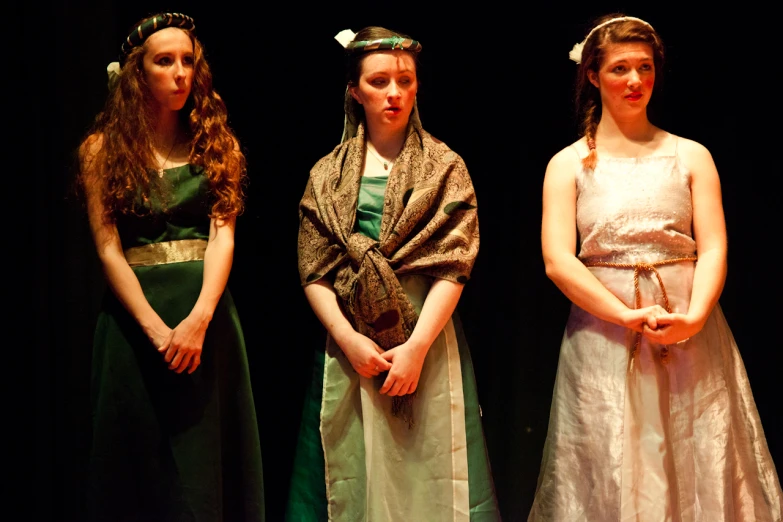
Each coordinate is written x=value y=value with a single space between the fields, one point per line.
x=669 y=434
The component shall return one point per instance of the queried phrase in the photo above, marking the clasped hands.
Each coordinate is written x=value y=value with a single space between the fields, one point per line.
x=403 y=363
x=660 y=326
x=181 y=346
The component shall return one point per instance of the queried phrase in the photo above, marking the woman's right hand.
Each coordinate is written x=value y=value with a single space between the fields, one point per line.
x=161 y=337
x=118 y=273
x=637 y=318
x=363 y=354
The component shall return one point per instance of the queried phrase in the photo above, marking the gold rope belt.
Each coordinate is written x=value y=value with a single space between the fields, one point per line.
x=166 y=252
x=646 y=267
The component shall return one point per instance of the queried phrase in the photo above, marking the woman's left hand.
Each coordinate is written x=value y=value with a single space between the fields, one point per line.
x=672 y=328
x=183 y=351
x=403 y=378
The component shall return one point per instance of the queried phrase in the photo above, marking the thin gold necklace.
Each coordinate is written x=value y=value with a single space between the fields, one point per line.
x=160 y=168
x=384 y=162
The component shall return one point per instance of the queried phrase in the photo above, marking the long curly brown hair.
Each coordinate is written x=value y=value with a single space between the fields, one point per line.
x=123 y=160
x=588 y=97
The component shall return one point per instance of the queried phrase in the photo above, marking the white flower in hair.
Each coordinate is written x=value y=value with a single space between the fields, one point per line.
x=345 y=37
x=576 y=53
x=113 y=70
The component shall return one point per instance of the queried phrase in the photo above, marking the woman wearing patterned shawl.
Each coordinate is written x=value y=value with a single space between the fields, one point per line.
x=388 y=236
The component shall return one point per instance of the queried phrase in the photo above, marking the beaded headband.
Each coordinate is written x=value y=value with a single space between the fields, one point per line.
x=156 y=23
x=346 y=36
x=576 y=53
x=141 y=33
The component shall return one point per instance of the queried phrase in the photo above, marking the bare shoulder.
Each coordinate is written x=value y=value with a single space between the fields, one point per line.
x=567 y=161
x=695 y=155
x=91 y=145
x=88 y=151
x=90 y=178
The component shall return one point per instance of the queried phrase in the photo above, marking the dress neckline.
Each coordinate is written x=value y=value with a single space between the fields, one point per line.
x=637 y=158
x=175 y=167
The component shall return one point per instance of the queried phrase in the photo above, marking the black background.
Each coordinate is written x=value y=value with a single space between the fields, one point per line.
x=496 y=86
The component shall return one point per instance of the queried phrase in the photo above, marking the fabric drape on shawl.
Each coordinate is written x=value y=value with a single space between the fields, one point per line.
x=429 y=227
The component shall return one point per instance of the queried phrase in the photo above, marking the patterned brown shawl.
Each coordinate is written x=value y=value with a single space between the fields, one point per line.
x=429 y=227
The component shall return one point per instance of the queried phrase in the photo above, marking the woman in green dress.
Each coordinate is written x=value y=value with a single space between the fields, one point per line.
x=388 y=235
x=175 y=435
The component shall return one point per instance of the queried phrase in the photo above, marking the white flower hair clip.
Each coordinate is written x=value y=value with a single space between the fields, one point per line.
x=345 y=37
x=113 y=71
x=576 y=52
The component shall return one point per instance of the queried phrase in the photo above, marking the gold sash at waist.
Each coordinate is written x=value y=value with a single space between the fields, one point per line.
x=646 y=267
x=166 y=252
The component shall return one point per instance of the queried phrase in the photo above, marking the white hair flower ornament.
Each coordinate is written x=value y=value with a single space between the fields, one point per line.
x=576 y=52
x=113 y=71
x=345 y=37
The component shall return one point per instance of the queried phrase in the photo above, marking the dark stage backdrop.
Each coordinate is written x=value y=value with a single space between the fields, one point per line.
x=496 y=86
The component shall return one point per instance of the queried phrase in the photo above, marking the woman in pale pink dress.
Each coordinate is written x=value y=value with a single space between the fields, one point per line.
x=652 y=415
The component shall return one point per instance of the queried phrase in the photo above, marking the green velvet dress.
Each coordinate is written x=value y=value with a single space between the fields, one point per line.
x=355 y=462
x=168 y=446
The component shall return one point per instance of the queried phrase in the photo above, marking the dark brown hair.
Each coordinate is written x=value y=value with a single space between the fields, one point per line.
x=353 y=66
x=588 y=97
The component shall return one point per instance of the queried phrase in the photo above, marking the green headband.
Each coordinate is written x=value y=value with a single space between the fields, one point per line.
x=156 y=23
x=391 y=43
x=346 y=36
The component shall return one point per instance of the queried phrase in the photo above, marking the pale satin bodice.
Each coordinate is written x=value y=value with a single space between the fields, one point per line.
x=634 y=209
x=638 y=431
